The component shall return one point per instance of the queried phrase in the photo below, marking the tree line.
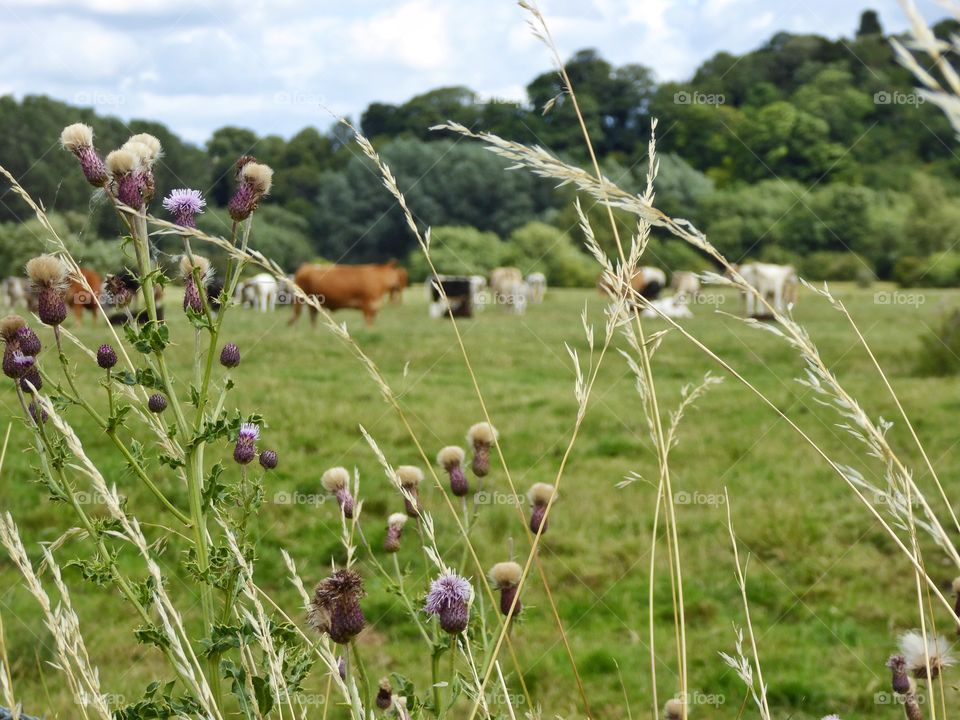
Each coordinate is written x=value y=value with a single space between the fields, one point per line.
x=805 y=150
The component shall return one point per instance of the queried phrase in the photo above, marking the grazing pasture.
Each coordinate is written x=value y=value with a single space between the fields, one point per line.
x=828 y=592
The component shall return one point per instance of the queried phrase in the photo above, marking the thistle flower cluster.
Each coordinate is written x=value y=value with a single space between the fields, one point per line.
x=410 y=477
x=449 y=599
x=253 y=184
x=481 y=438
x=335 y=609
x=336 y=481
x=106 y=356
x=21 y=347
x=191 y=291
x=78 y=139
x=451 y=459
x=539 y=496
x=131 y=170
x=48 y=281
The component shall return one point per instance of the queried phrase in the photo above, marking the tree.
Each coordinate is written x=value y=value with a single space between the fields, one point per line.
x=458 y=250
x=869 y=24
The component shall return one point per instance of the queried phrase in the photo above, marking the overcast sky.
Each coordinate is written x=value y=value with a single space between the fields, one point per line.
x=272 y=64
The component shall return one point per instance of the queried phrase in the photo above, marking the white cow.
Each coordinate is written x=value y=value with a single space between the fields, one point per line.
x=674 y=306
x=685 y=283
x=16 y=291
x=260 y=292
x=538 y=286
x=776 y=284
x=478 y=292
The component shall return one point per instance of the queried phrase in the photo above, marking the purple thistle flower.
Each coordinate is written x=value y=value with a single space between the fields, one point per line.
x=184 y=204
x=268 y=459
x=29 y=342
x=50 y=306
x=245 y=449
x=129 y=189
x=448 y=599
x=230 y=355
x=22 y=363
x=39 y=416
x=157 y=403
x=106 y=356
x=900 y=681
x=191 y=295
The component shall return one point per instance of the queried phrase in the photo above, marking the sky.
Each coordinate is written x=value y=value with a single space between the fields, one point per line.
x=279 y=65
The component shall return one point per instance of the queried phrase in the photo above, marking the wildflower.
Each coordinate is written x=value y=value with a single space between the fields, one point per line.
x=673 y=709
x=191 y=292
x=39 y=415
x=48 y=274
x=78 y=139
x=230 y=355
x=146 y=150
x=127 y=177
x=336 y=480
x=254 y=181
x=449 y=599
x=245 y=449
x=157 y=403
x=901 y=681
x=481 y=436
x=539 y=496
x=916 y=652
x=409 y=477
x=184 y=204
x=268 y=459
x=28 y=340
x=31 y=380
x=15 y=363
x=384 y=694
x=395 y=523
x=9 y=326
x=451 y=458
x=335 y=609
x=506 y=578
x=121 y=287
x=106 y=356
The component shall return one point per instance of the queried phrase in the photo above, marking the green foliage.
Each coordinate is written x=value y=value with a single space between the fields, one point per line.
x=539 y=247
x=458 y=251
x=940 y=347
x=827 y=265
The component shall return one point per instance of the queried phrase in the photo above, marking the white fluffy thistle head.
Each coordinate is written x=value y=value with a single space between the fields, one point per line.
x=76 y=136
x=47 y=271
x=451 y=455
x=121 y=162
x=258 y=175
x=482 y=433
x=336 y=478
x=506 y=574
x=145 y=147
x=916 y=650
x=409 y=476
x=540 y=493
x=397 y=520
x=189 y=262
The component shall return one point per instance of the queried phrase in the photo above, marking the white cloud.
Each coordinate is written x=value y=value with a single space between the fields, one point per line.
x=414 y=35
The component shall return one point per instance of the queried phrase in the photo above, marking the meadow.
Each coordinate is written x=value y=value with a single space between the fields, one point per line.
x=828 y=591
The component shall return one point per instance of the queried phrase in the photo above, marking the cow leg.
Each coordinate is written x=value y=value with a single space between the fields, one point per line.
x=313 y=316
x=297 y=307
x=369 y=313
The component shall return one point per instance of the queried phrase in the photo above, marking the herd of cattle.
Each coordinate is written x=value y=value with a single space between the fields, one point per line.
x=364 y=287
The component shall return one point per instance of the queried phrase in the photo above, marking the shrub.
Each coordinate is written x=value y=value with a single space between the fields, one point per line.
x=539 y=247
x=940 y=347
x=836 y=266
x=458 y=250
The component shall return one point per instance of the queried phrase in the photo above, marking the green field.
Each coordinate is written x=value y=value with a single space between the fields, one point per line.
x=829 y=592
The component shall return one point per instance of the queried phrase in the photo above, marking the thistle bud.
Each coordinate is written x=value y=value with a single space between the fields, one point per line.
x=78 y=139
x=230 y=355
x=336 y=480
x=15 y=364
x=157 y=403
x=384 y=694
x=506 y=578
x=31 y=380
x=39 y=416
x=409 y=477
x=268 y=459
x=395 y=523
x=124 y=166
x=449 y=599
x=106 y=356
x=28 y=340
x=451 y=459
x=539 y=496
x=254 y=182
x=901 y=681
x=245 y=450
x=335 y=609
x=481 y=437
x=191 y=291
x=48 y=276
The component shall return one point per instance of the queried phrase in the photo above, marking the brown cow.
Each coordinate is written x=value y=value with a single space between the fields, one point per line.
x=78 y=297
x=337 y=287
x=400 y=281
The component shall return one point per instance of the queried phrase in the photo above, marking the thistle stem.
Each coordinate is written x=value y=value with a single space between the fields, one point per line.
x=362 y=672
